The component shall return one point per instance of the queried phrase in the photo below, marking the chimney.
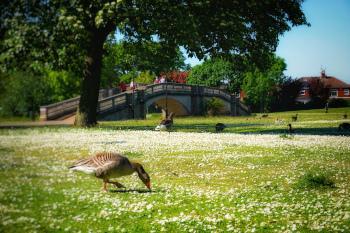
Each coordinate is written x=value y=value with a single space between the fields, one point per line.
x=323 y=73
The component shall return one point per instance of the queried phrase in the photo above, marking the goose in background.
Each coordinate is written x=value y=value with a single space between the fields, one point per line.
x=166 y=124
x=219 y=127
x=107 y=165
x=290 y=129
x=295 y=118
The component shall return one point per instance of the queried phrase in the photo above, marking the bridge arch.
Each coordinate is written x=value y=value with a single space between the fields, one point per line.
x=180 y=105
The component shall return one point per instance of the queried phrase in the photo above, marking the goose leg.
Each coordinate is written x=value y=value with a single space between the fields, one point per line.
x=119 y=185
x=104 y=188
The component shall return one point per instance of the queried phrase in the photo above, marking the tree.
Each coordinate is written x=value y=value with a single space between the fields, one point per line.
x=32 y=89
x=124 y=57
x=319 y=92
x=215 y=72
x=285 y=94
x=72 y=33
x=259 y=86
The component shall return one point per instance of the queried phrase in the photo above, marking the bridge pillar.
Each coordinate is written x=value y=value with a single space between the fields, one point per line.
x=197 y=100
x=140 y=108
x=234 y=107
x=129 y=104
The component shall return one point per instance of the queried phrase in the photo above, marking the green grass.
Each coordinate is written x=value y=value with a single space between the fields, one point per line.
x=312 y=122
x=202 y=181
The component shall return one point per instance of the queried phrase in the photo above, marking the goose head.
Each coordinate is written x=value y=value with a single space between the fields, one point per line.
x=144 y=177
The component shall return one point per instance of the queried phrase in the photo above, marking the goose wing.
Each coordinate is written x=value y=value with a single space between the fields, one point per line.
x=100 y=163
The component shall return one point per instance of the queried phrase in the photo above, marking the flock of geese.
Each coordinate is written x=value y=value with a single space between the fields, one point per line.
x=107 y=165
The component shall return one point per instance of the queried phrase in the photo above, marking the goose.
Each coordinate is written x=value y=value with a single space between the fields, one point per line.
x=345 y=116
x=107 y=165
x=295 y=118
x=166 y=123
x=219 y=127
x=290 y=129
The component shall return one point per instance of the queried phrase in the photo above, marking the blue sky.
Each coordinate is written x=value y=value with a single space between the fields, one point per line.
x=326 y=44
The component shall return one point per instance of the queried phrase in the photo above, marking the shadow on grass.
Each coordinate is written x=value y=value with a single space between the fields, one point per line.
x=239 y=129
x=304 y=131
x=134 y=191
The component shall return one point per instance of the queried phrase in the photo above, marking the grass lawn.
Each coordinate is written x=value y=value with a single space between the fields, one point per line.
x=251 y=178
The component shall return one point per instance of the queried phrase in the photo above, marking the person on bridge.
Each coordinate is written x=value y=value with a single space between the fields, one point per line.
x=133 y=85
x=122 y=86
x=156 y=81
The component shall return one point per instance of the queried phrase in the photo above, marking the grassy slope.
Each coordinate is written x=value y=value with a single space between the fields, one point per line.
x=223 y=188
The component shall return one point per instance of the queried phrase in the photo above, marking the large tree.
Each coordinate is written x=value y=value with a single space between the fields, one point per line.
x=73 y=32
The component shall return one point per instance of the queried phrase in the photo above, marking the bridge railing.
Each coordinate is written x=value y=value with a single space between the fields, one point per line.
x=66 y=107
x=113 y=102
x=161 y=87
x=216 y=92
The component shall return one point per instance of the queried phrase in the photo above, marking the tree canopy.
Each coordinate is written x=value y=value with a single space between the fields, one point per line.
x=259 y=86
x=214 y=73
x=72 y=33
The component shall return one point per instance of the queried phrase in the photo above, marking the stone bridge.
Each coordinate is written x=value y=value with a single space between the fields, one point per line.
x=182 y=99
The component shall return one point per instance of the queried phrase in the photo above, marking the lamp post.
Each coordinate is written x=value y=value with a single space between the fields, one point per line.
x=166 y=97
x=133 y=93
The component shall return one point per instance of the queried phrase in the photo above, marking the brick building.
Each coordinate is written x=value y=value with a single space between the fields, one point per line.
x=334 y=87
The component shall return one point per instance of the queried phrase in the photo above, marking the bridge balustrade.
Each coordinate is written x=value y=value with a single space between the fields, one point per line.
x=125 y=100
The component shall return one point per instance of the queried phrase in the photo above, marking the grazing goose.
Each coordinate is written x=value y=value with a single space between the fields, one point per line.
x=166 y=123
x=106 y=165
x=219 y=127
x=290 y=129
x=295 y=118
x=345 y=116
x=344 y=127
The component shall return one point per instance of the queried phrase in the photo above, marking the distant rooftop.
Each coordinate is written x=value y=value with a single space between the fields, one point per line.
x=329 y=81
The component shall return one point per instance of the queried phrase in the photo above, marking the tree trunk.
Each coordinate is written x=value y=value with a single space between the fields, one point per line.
x=86 y=113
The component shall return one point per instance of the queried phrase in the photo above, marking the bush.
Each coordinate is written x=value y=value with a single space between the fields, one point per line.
x=23 y=94
x=338 y=103
x=214 y=106
x=316 y=179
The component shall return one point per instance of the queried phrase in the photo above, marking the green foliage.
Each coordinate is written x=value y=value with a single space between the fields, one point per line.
x=62 y=84
x=316 y=179
x=145 y=77
x=157 y=57
x=259 y=86
x=213 y=73
x=127 y=78
x=110 y=74
x=214 y=106
x=338 y=103
x=23 y=94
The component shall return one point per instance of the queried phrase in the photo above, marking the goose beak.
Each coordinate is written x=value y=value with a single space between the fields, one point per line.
x=148 y=184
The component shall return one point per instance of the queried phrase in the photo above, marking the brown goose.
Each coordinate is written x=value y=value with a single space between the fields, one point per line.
x=166 y=123
x=106 y=165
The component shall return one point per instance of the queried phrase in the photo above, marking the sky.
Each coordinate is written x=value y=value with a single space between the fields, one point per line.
x=323 y=45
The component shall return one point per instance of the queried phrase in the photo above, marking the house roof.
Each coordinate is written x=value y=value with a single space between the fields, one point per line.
x=329 y=81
